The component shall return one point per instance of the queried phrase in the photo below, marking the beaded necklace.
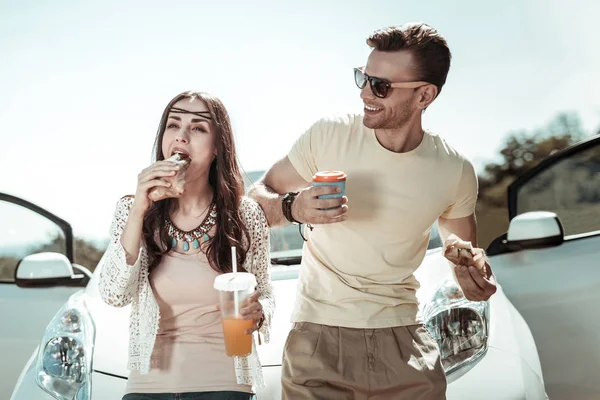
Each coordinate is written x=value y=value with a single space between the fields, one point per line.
x=195 y=236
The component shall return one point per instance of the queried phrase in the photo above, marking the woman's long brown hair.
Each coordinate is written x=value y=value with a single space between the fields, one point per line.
x=228 y=187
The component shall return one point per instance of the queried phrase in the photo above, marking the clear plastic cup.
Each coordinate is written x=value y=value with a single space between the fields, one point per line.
x=233 y=289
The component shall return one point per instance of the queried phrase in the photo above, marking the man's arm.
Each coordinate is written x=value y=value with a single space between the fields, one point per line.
x=465 y=228
x=475 y=286
x=282 y=178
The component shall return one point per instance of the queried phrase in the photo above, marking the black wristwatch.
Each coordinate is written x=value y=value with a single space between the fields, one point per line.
x=286 y=206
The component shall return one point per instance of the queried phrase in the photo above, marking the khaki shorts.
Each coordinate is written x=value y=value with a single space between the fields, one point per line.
x=323 y=362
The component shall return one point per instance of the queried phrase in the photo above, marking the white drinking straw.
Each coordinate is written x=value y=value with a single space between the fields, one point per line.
x=235 y=293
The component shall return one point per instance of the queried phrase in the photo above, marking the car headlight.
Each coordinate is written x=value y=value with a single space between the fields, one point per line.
x=64 y=360
x=459 y=326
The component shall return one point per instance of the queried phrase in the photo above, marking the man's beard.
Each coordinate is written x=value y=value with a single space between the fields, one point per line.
x=399 y=119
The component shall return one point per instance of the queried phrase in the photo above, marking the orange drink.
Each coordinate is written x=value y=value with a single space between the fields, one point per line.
x=237 y=342
x=233 y=289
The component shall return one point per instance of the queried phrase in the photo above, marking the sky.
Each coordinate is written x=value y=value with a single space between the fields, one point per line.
x=83 y=83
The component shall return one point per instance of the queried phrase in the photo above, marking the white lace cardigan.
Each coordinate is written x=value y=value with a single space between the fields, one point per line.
x=121 y=284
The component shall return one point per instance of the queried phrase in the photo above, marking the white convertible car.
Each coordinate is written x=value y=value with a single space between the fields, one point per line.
x=548 y=270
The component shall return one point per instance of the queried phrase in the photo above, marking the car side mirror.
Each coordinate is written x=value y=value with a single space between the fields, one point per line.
x=47 y=270
x=535 y=230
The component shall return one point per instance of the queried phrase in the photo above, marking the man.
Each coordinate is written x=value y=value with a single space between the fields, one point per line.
x=357 y=332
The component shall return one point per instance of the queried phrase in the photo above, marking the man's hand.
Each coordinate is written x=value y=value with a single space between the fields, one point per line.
x=309 y=209
x=473 y=273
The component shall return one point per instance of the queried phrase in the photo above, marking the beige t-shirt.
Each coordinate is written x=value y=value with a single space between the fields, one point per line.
x=359 y=273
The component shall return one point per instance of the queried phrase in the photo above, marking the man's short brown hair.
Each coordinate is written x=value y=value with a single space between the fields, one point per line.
x=429 y=48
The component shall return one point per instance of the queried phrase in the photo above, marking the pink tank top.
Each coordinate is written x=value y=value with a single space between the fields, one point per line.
x=189 y=353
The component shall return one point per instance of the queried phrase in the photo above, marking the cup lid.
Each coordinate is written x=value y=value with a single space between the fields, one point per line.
x=329 y=176
x=231 y=282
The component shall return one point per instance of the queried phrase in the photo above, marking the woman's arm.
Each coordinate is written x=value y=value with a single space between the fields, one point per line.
x=120 y=266
x=260 y=260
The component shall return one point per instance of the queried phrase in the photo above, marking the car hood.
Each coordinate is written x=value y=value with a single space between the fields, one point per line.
x=112 y=324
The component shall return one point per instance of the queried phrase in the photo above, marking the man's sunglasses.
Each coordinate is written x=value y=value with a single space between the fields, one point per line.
x=381 y=87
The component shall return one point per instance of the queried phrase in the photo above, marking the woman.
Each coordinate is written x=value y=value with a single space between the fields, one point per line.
x=169 y=242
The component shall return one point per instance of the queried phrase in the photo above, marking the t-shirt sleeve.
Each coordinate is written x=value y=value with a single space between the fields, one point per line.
x=466 y=195
x=304 y=154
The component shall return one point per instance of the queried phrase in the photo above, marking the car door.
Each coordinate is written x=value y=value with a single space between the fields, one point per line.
x=557 y=289
x=24 y=312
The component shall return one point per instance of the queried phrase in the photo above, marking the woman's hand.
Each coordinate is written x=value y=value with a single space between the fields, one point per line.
x=252 y=309
x=156 y=175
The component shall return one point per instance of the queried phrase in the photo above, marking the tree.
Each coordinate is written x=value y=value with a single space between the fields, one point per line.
x=523 y=150
x=86 y=253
